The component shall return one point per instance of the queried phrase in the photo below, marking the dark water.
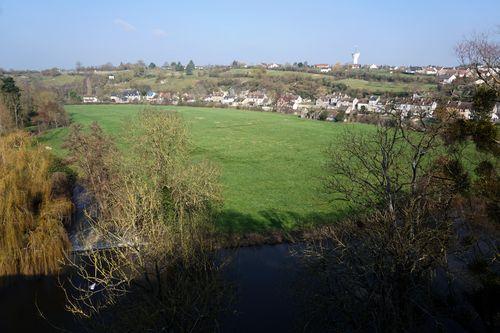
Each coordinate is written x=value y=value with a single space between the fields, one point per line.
x=264 y=277
x=23 y=301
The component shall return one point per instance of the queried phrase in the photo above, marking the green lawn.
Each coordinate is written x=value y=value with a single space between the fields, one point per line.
x=270 y=163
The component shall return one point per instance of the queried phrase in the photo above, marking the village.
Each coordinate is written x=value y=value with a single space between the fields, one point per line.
x=337 y=106
x=334 y=106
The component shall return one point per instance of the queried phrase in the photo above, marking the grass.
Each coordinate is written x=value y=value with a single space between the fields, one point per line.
x=270 y=163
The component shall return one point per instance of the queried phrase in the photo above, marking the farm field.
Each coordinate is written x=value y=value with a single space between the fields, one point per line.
x=270 y=163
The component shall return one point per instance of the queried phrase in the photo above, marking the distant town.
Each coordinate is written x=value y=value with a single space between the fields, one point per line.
x=329 y=94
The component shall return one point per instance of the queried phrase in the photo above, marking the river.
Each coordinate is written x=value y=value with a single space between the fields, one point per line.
x=263 y=275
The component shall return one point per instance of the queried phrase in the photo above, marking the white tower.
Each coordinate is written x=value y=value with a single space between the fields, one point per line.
x=355 y=57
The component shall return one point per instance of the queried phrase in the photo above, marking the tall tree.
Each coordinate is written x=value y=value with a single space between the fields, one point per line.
x=11 y=95
x=190 y=68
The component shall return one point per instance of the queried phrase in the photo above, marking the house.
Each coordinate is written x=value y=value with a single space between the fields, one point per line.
x=373 y=66
x=215 y=97
x=333 y=101
x=151 y=96
x=273 y=66
x=188 y=98
x=428 y=71
x=461 y=109
x=450 y=79
x=168 y=98
x=324 y=68
x=255 y=99
x=132 y=95
x=362 y=104
x=117 y=98
x=126 y=96
x=288 y=103
x=374 y=100
x=90 y=99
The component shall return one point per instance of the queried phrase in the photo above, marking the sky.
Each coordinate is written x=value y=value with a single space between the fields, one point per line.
x=52 y=33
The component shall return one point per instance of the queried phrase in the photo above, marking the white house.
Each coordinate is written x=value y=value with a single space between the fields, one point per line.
x=373 y=66
x=126 y=96
x=450 y=79
x=90 y=99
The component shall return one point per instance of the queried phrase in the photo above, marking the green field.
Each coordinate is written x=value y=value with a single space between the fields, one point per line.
x=271 y=163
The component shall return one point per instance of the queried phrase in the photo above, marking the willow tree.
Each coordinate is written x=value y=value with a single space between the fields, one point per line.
x=33 y=239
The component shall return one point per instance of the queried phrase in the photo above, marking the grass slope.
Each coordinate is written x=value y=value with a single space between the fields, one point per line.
x=270 y=163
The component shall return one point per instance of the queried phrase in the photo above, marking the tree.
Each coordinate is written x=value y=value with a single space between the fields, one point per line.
x=483 y=101
x=11 y=96
x=152 y=65
x=155 y=207
x=483 y=55
x=139 y=71
x=6 y=122
x=78 y=66
x=373 y=271
x=190 y=68
x=48 y=112
x=179 y=67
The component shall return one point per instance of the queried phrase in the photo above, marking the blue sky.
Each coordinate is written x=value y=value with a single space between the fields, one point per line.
x=42 y=34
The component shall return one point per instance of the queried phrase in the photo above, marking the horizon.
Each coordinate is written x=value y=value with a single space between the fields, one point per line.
x=40 y=36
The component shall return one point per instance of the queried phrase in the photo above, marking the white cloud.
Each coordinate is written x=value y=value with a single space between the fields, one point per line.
x=160 y=33
x=124 y=25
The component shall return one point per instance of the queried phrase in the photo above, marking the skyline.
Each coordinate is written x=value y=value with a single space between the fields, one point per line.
x=55 y=33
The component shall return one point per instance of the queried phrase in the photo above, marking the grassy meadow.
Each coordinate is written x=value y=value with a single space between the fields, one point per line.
x=270 y=163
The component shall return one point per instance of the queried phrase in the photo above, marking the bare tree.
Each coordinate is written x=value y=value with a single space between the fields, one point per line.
x=374 y=271
x=148 y=258
x=483 y=55
x=379 y=168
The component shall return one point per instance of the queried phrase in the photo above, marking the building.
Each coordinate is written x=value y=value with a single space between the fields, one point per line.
x=255 y=99
x=324 y=68
x=90 y=99
x=355 y=58
x=288 y=103
x=151 y=96
x=126 y=96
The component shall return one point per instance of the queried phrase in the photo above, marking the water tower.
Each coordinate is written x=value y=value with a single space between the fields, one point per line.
x=355 y=56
